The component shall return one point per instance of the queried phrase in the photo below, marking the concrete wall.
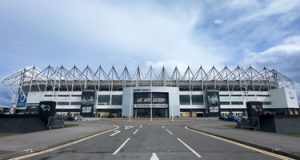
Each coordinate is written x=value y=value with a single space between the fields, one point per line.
x=286 y=125
x=284 y=98
x=280 y=124
x=21 y=124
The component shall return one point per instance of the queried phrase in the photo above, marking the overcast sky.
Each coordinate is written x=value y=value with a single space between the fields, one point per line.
x=93 y=32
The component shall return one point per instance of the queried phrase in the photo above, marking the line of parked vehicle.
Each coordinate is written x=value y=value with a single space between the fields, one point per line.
x=73 y=118
x=232 y=118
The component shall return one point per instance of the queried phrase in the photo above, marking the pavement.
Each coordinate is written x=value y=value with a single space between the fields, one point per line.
x=277 y=143
x=152 y=140
x=19 y=144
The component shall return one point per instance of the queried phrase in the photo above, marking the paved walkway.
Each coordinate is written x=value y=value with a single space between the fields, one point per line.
x=279 y=143
x=39 y=140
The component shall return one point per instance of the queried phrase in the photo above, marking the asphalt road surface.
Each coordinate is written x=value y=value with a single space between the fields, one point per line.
x=153 y=142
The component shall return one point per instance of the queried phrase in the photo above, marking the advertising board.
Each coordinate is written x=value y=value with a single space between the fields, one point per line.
x=87 y=103
x=213 y=101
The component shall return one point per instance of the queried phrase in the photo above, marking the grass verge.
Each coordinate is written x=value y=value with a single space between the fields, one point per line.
x=294 y=134
x=71 y=125
x=230 y=125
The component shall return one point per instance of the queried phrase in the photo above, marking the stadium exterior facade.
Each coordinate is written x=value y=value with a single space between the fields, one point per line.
x=160 y=94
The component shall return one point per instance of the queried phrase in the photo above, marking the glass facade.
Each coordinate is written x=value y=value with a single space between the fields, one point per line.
x=225 y=103
x=104 y=100
x=184 y=99
x=194 y=100
x=75 y=103
x=237 y=103
x=62 y=103
x=116 y=100
x=197 y=99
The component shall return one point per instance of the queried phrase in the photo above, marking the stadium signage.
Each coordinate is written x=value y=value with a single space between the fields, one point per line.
x=87 y=103
x=213 y=101
x=149 y=105
x=22 y=100
x=151 y=99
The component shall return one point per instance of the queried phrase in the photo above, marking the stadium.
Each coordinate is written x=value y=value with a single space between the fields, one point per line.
x=153 y=93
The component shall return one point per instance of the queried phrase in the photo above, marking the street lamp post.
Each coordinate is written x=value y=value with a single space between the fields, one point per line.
x=172 y=117
x=151 y=103
x=130 y=102
x=151 y=96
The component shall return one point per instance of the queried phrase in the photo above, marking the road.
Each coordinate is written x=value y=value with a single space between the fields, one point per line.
x=153 y=142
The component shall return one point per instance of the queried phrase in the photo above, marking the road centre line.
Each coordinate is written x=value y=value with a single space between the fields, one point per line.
x=122 y=145
x=61 y=146
x=169 y=132
x=116 y=132
x=242 y=145
x=135 y=131
x=191 y=149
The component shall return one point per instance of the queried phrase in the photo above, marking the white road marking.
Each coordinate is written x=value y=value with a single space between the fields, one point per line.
x=169 y=132
x=28 y=150
x=122 y=145
x=61 y=146
x=135 y=131
x=128 y=127
x=141 y=126
x=191 y=149
x=162 y=126
x=116 y=132
x=154 y=157
x=243 y=145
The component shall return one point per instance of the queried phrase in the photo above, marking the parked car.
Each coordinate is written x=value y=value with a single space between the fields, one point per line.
x=233 y=118
x=78 y=118
x=223 y=117
x=243 y=117
x=69 y=118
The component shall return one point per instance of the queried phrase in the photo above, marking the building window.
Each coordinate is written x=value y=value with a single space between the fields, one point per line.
x=76 y=95
x=75 y=103
x=103 y=100
x=47 y=95
x=116 y=100
x=267 y=103
x=197 y=99
x=237 y=103
x=63 y=95
x=184 y=99
x=224 y=95
x=236 y=95
x=263 y=95
x=224 y=103
x=62 y=103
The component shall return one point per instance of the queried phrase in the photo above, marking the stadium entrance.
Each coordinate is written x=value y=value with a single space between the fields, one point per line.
x=156 y=113
x=146 y=103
